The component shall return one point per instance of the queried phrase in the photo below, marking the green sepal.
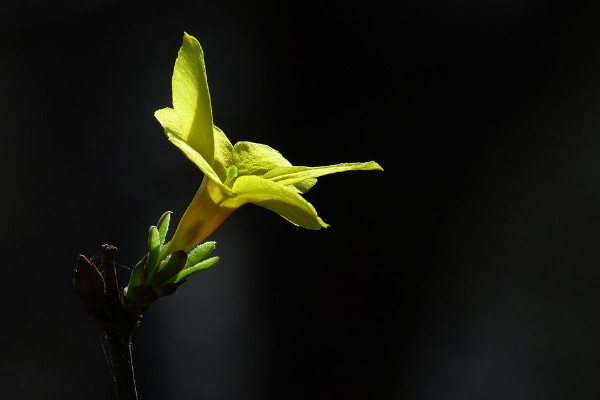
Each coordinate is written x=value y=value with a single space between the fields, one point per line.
x=196 y=268
x=139 y=275
x=142 y=296
x=169 y=268
x=163 y=227
x=199 y=253
x=153 y=250
x=232 y=173
x=168 y=288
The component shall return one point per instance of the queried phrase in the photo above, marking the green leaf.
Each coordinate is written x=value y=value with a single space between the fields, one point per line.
x=196 y=268
x=199 y=253
x=163 y=227
x=139 y=273
x=170 y=268
x=168 y=288
x=142 y=296
x=153 y=250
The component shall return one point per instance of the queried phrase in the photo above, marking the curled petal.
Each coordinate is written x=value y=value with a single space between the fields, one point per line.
x=200 y=162
x=298 y=175
x=283 y=200
x=223 y=153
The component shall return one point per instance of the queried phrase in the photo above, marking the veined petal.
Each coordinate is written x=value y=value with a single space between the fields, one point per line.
x=257 y=159
x=295 y=175
x=191 y=99
x=284 y=200
x=169 y=120
x=223 y=153
x=200 y=162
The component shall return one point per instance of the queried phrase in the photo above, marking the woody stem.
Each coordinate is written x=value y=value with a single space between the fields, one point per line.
x=116 y=331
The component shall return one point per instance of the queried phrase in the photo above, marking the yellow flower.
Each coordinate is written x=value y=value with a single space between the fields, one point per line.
x=233 y=175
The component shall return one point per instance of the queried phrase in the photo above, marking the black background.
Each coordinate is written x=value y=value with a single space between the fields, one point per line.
x=469 y=269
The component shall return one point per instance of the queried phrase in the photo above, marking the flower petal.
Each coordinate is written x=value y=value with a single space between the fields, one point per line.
x=257 y=159
x=191 y=116
x=223 y=153
x=200 y=162
x=169 y=120
x=207 y=210
x=284 y=200
x=298 y=176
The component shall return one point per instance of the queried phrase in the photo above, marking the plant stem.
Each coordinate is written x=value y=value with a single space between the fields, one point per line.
x=117 y=345
x=116 y=319
x=116 y=329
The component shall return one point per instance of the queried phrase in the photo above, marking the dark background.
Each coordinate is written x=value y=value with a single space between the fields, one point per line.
x=469 y=269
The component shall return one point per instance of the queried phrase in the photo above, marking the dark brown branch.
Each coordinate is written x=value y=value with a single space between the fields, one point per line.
x=119 y=356
x=102 y=298
x=110 y=276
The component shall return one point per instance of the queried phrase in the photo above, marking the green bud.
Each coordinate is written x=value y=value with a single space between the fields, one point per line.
x=169 y=268
x=163 y=226
x=142 y=296
x=232 y=172
x=196 y=268
x=199 y=253
x=139 y=275
x=168 y=288
x=153 y=250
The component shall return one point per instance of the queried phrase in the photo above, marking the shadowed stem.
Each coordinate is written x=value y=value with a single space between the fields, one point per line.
x=117 y=348
x=117 y=325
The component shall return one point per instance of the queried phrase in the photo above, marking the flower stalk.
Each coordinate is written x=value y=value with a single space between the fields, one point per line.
x=118 y=349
